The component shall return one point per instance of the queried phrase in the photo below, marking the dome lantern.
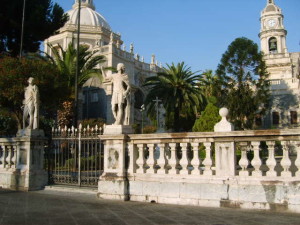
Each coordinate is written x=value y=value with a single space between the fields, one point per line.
x=87 y=3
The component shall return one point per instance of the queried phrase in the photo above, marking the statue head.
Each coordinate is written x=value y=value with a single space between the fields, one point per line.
x=30 y=80
x=121 y=67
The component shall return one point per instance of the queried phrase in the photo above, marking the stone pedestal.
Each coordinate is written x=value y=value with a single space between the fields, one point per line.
x=28 y=172
x=118 y=129
x=113 y=183
x=30 y=133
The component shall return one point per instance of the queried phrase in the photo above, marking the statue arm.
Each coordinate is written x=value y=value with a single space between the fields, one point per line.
x=126 y=81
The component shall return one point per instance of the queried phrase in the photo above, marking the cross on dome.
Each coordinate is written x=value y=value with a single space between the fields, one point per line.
x=271 y=2
x=87 y=3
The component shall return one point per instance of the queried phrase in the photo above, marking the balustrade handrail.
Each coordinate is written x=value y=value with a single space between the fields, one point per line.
x=179 y=153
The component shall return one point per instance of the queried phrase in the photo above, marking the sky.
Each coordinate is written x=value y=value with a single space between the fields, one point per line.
x=197 y=32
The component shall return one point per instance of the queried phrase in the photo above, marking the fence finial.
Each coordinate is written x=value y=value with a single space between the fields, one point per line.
x=223 y=125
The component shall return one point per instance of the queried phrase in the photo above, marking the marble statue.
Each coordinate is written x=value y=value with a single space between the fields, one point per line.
x=31 y=106
x=161 y=118
x=121 y=97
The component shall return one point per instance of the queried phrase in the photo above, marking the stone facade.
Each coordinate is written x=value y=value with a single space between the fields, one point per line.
x=283 y=68
x=95 y=32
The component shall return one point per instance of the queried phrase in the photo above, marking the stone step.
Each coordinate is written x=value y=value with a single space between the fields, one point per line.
x=71 y=189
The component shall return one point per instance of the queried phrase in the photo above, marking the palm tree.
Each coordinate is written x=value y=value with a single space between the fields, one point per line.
x=66 y=63
x=177 y=87
x=211 y=84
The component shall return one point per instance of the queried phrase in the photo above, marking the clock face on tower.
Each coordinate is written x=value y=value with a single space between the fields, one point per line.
x=271 y=23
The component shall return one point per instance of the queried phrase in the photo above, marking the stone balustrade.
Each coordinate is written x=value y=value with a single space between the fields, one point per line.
x=8 y=154
x=22 y=161
x=239 y=154
x=247 y=169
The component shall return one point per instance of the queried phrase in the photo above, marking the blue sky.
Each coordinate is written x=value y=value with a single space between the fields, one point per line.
x=195 y=31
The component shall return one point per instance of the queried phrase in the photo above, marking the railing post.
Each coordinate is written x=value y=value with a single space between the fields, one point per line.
x=141 y=160
x=162 y=161
x=271 y=162
x=173 y=161
x=244 y=162
x=151 y=160
x=196 y=159
x=225 y=159
x=207 y=161
x=286 y=162
x=115 y=175
x=256 y=161
x=297 y=161
x=184 y=162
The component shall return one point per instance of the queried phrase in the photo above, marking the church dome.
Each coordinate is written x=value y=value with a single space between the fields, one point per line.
x=88 y=15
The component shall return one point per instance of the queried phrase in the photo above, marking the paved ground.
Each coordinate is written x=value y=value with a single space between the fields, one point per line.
x=62 y=208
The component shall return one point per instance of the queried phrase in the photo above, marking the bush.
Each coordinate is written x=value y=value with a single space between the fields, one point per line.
x=8 y=125
x=149 y=129
x=208 y=119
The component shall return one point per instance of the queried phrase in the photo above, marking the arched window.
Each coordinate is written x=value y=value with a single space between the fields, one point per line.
x=273 y=45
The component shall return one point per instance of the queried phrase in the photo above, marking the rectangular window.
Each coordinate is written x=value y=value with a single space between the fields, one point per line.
x=294 y=117
x=275 y=117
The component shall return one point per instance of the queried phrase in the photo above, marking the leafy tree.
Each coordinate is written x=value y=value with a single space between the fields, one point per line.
x=245 y=86
x=14 y=74
x=42 y=19
x=210 y=84
x=66 y=61
x=177 y=87
x=208 y=118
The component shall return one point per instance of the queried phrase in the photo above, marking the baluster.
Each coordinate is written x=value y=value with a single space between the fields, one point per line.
x=184 y=162
x=297 y=161
x=4 y=155
x=256 y=161
x=151 y=162
x=271 y=162
x=9 y=156
x=244 y=162
x=173 y=161
x=2 y=147
x=286 y=162
x=207 y=162
x=14 y=157
x=196 y=160
x=141 y=160
x=162 y=161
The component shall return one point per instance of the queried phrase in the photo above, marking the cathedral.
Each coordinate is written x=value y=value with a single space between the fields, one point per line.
x=95 y=33
x=283 y=68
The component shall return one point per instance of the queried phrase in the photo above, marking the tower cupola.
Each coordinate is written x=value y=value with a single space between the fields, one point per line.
x=272 y=34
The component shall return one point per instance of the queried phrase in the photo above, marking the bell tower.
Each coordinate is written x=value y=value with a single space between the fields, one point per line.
x=272 y=34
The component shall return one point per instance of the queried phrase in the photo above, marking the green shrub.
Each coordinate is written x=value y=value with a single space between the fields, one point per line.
x=149 y=129
x=208 y=119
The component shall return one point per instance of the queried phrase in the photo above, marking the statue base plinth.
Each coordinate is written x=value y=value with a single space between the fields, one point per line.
x=118 y=129
x=30 y=133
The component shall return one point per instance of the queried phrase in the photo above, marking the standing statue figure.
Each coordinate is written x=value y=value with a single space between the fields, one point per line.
x=31 y=106
x=161 y=118
x=120 y=101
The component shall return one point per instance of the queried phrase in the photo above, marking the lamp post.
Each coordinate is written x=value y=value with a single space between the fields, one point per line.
x=22 y=29
x=77 y=67
x=142 y=110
